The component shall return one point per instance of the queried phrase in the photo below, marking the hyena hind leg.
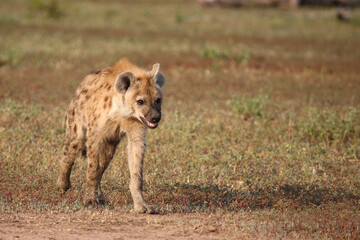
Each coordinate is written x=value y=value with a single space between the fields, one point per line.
x=71 y=152
x=105 y=156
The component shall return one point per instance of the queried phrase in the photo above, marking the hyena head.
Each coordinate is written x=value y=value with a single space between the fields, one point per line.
x=141 y=95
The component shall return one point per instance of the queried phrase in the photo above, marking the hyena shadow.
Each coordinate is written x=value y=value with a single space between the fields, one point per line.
x=191 y=198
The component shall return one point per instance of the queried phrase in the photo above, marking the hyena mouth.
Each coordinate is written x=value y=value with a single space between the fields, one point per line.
x=148 y=124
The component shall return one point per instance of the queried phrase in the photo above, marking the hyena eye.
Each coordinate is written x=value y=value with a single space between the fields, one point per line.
x=140 y=102
x=158 y=101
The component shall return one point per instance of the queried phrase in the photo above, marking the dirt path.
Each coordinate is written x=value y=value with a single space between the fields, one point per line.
x=109 y=225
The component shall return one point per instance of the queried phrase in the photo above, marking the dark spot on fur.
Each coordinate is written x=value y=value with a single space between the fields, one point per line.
x=109 y=87
x=87 y=97
x=90 y=165
x=75 y=128
x=110 y=104
x=104 y=105
x=117 y=130
x=106 y=98
x=74 y=146
x=73 y=112
x=84 y=91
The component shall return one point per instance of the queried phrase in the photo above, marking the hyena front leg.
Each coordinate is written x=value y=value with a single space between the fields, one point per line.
x=136 y=151
x=93 y=173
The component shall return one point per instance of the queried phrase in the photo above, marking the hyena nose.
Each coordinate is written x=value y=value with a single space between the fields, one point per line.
x=155 y=119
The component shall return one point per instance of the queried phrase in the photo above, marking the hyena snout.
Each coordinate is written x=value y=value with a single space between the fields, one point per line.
x=154 y=117
x=151 y=119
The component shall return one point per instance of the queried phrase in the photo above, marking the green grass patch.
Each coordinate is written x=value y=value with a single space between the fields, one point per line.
x=330 y=125
x=50 y=8
x=10 y=56
x=211 y=52
x=253 y=107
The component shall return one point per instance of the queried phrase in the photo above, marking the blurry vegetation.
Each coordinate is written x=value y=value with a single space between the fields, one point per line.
x=250 y=107
x=111 y=13
x=212 y=52
x=179 y=17
x=315 y=124
x=9 y=56
x=8 y=20
x=355 y=20
x=50 y=8
x=331 y=126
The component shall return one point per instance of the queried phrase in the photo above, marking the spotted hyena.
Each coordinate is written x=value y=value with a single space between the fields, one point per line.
x=122 y=100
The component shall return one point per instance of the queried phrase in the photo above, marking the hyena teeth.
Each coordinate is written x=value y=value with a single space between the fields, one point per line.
x=150 y=124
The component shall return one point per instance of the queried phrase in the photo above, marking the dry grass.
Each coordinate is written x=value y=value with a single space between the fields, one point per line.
x=261 y=111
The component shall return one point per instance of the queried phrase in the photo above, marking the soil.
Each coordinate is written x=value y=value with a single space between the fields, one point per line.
x=109 y=225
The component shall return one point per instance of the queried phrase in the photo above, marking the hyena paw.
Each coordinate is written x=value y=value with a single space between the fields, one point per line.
x=97 y=201
x=101 y=199
x=63 y=185
x=144 y=208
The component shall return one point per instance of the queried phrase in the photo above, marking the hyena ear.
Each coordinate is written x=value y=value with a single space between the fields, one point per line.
x=159 y=79
x=124 y=81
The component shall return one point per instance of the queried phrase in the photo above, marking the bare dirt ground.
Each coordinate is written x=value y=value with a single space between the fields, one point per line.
x=109 y=225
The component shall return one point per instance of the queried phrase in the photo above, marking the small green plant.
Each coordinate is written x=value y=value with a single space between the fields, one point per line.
x=355 y=21
x=243 y=57
x=250 y=107
x=111 y=13
x=207 y=51
x=179 y=18
x=8 y=20
x=50 y=8
x=10 y=57
x=331 y=126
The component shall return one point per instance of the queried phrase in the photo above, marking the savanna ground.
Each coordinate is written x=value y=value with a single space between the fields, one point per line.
x=260 y=131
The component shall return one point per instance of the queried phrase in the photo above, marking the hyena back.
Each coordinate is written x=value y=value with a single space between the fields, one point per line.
x=122 y=100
